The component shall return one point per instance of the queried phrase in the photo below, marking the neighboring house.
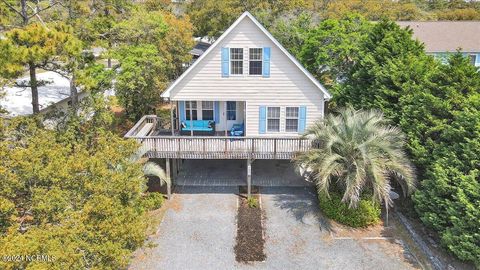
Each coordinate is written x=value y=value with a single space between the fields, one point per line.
x=55 y=95
x=18 y=100
x=247 y=93
x=442 y=38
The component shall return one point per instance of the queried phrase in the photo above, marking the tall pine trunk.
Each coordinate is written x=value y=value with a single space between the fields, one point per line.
x=23 y=11
x=34 y=87
x=73 y=92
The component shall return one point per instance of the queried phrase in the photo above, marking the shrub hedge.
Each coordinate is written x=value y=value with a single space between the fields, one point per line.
x=152 y=201
x=367 y=213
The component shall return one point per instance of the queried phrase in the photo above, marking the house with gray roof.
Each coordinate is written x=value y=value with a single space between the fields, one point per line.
x=442 y=38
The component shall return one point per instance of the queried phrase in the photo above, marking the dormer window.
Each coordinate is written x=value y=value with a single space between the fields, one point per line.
x=255 y=61
x=236 y=61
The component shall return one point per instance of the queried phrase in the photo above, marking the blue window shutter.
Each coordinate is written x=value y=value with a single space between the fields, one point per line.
x=181 y=110
x=225 y=62
x=478 y=60
x=262 y=120
x=216 y=108
x=266 y=62
x=302 y=119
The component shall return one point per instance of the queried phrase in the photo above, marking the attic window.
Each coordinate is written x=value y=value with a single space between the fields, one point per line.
x=255 y=61
x=236 y=61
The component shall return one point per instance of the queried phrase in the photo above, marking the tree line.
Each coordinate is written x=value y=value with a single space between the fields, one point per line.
x=380 y=66
x=143 y=46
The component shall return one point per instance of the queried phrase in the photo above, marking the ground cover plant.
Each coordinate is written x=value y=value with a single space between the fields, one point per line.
x=365 y=214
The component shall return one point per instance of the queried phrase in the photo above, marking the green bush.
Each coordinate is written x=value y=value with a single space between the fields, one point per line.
x=252 y=202
x=152 y=201
x=449 y=202
x=84 y=193
x=367 y=213
x=7 y=209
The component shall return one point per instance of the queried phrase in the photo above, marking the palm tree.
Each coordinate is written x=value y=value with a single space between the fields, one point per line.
x=152 y=169
x=357 y=151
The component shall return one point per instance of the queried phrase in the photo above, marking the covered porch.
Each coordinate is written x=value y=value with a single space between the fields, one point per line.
x=206 y=118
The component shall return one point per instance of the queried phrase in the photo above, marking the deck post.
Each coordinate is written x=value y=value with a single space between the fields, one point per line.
x=275 y=148
x=249 y=177
x=226 y=117
x=169 y=178
x=171 y=116
x=191 y=119
x=174 y=169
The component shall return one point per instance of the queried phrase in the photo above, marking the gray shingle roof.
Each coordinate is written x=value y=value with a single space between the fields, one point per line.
x=200 y=48
x=446 y=36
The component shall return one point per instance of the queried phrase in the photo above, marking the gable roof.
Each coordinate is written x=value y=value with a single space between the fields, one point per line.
x=446 y=36
x=166 y=93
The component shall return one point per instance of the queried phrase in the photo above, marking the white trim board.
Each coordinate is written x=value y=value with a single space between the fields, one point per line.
x=166 y=93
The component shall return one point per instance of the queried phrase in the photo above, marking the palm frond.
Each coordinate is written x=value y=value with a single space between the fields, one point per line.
x=358 y=149
x=153 y=169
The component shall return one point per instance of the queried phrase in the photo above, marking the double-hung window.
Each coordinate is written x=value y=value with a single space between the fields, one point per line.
x=291 y=119
x=207 y=110
x=255 y=61
x=193 y=107
x=236 y=61
x=231 y=110
x=273 y=119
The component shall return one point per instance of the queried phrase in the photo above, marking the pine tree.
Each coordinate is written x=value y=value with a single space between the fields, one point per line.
x=34 y=46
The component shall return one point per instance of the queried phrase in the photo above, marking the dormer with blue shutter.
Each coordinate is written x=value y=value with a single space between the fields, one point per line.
x=238 y=61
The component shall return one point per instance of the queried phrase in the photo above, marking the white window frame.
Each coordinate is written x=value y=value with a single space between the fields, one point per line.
x=226 y=104
x=276 y=118
x=187 y=109
x=213 y=110
x=231 y=60
x=287 y=117
x=255 y=60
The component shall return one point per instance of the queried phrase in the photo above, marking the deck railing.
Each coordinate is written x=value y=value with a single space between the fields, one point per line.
x=217 y=147
x=222 y=147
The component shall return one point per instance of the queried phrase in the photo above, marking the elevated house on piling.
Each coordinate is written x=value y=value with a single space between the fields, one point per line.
x=245 y=98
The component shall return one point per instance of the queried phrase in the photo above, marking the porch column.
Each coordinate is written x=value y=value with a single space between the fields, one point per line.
x=171 y=117
x=169 y=179
x=179 y=165
x=191 y=119
x=249 y=177
x=174 y=169
x=226 y=117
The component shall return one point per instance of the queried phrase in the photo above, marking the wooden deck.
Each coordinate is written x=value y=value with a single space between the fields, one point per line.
x=214 y=147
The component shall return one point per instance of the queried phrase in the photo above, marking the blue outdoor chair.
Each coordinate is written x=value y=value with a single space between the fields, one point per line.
x=237 y=130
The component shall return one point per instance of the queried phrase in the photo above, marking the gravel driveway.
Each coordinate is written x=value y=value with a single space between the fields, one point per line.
x=198 y=232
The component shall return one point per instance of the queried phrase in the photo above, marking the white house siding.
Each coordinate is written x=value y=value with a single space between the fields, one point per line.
x=286 y=86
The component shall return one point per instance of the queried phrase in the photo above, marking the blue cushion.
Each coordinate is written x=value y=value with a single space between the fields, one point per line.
x=198 y=125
